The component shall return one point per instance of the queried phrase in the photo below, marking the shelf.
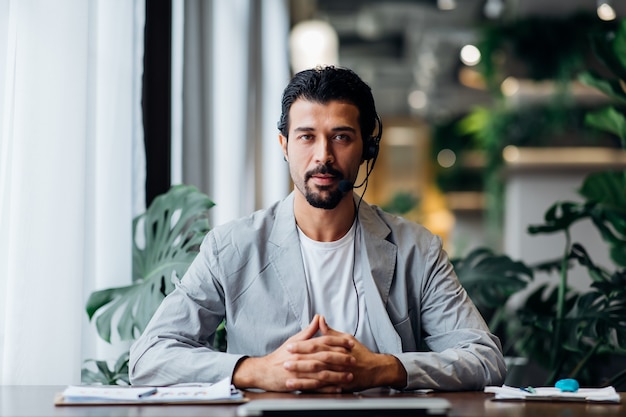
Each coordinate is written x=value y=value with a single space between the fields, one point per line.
x=564 y=158
x=465 y=200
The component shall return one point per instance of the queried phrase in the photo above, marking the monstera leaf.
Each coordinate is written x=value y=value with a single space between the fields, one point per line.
x=166 y=239
x=105 y=375
x=489 y=279
x=608 y=191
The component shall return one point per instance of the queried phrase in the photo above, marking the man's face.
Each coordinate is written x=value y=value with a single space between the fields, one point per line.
x=324 y=147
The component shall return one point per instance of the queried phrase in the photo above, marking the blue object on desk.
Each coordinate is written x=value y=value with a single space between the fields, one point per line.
x=567 y=385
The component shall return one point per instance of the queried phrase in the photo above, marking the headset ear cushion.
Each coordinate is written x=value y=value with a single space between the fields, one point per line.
x=371 y=149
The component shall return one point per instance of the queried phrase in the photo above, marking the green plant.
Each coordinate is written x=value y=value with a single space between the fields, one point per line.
x=565 y=331
x=166 y=239
x=586 y=326
x=490 y=280
x=401 y=203
x=491 y=130
x=610 y=48
x=539 y=49
x=118 y=375
x=571 y=334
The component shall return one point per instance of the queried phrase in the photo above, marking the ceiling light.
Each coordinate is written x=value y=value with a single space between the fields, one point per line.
x=510 y=153
x=368 y=24
x=446 y=4
x=313 y=43
x=446 y=158
x=510 y=86
x=493 y=8
x=605 y=10
x=470 y=55
x=418 y=99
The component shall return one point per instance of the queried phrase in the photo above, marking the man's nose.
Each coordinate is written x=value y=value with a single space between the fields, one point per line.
x=324 y=152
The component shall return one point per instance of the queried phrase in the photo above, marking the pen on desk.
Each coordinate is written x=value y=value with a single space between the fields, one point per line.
x=148 y=393
x=529 y=389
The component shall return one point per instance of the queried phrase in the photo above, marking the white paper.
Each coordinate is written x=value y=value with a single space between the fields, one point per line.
x=505 y=392
x=222 y=390
x=113 y=393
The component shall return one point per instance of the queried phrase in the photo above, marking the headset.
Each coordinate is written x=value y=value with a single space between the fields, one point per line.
x=370 y=154
x=372 y=144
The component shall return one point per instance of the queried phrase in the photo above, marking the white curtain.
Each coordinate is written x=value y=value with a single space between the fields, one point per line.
x=236 y=64
x=71 y=166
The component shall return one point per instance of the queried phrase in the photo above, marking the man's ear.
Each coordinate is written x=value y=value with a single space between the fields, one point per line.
x=283 y=144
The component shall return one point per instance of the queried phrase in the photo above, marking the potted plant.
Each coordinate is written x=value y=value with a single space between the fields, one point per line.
x=166 y=239
x=585 y=327
x=572 y=334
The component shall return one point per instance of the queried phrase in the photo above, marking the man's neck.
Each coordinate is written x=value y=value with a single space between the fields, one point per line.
x=324 y=225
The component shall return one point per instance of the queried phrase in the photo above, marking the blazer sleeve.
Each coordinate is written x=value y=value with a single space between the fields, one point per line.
x=463 y=355
x=176 y=345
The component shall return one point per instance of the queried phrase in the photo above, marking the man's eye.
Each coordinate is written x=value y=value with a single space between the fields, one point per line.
x=342 y=138
x=306 y=137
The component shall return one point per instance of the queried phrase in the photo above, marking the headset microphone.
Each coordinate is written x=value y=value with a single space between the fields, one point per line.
x=345 y=186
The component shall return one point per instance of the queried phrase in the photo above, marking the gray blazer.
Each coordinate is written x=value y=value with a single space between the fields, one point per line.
x=250 y=272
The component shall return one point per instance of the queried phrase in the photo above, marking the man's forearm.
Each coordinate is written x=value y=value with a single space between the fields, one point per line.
x=245 y=373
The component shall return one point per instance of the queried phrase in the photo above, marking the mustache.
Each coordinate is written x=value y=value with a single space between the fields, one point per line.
x=324 y=170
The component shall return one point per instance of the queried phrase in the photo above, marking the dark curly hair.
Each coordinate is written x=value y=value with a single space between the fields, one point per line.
x=325 y=84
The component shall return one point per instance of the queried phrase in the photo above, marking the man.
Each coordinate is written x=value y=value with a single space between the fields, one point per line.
x=321 y=292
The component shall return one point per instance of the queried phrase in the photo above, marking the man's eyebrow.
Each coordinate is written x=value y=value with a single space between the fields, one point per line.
x=303 y=129
x=334 y=129
x=343 y=129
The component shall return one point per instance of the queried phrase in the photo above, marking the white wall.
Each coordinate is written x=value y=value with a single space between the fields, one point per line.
x=531 y=188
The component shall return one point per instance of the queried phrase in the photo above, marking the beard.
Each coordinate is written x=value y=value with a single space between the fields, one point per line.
x=327 y=201
x=326 y=198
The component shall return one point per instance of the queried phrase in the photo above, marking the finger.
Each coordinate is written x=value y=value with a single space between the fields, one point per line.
x=326 y=389
x=311 y=369
x=309 y=331
x=324 y=328
x=303 y=384
x=320 y=380
x=338 y=344
x=336 y=339
x=321 y=362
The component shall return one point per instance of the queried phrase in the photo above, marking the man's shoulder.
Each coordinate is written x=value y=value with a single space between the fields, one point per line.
x=260 y=222
x=394 y=222
x=406 y=234
x=254 y=220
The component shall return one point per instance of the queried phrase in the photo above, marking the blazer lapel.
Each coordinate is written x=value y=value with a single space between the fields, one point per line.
x=381 y=261
x=286 y=259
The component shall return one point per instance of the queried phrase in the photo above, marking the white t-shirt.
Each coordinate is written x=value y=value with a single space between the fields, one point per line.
x=335 y=285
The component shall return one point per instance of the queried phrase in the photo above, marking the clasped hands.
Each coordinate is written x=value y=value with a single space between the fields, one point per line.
x=331 y=362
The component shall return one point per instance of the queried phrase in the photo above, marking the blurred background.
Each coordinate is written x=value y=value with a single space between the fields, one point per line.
x=440 y=70
x=108 y=103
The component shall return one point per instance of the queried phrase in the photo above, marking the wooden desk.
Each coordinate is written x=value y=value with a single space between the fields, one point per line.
x=37 y=401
